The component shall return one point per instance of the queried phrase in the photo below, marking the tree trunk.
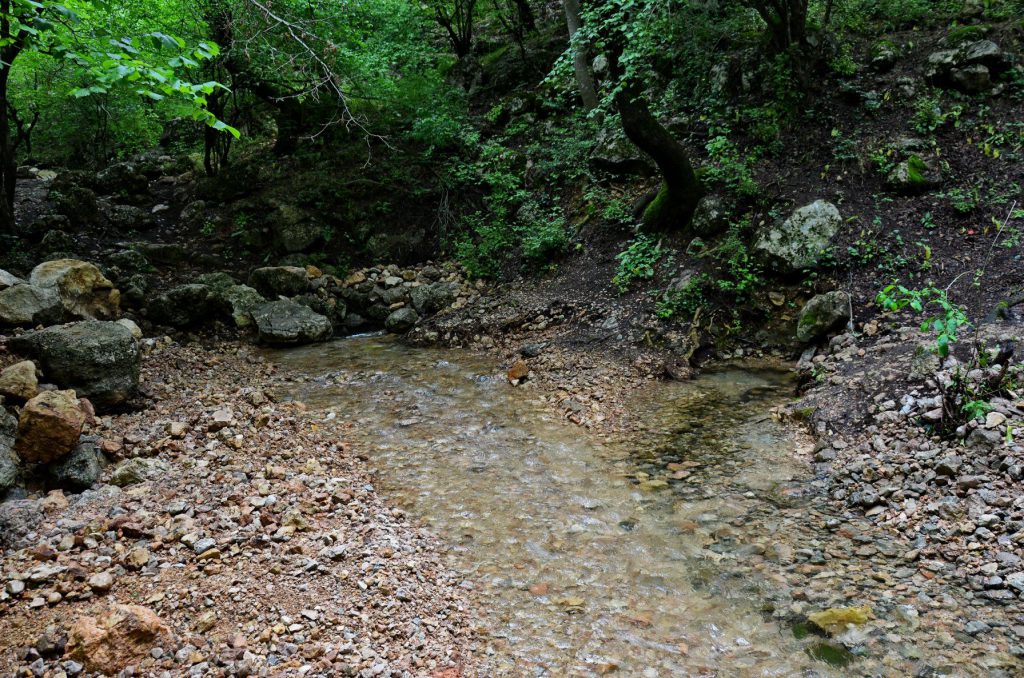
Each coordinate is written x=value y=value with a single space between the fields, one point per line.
x=580 y=58
x=8 y=163
x=526 y=18
x=673 y=208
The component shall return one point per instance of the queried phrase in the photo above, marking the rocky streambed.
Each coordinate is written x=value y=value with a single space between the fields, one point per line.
x=661 y=554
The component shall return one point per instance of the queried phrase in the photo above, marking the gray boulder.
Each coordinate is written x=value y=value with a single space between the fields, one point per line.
x=240 y=300
x=823 y=314
x=615 y=154
x=218 y=282
x=286 y=322
x=401 y=321
x=79 y=470
x=85 y=293
x=128 y=218
x=122 y=178
x=99 y=360
x=971 y=79
x=9 y=467
x=294 y=229
x=18 y=519
x=183 y=306
x=279 y=281
x=9 y=280
x=427 y=299
x=29 y=305
x=797 y=243
x=711 y=216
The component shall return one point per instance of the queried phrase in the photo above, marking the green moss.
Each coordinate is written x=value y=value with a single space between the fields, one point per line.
x=916 y=170
x=658 y=212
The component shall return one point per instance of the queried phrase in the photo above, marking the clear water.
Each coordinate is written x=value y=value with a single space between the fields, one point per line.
x=588 y=556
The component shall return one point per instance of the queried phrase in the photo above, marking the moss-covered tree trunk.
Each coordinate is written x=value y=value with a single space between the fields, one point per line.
x=680 y=191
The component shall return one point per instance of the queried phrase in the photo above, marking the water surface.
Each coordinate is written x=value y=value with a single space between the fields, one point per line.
x=590 y=557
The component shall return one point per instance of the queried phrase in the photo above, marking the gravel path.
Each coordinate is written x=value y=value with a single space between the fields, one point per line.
x=252 y=532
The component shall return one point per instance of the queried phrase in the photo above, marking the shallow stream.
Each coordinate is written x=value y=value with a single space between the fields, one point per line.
x=590 y=557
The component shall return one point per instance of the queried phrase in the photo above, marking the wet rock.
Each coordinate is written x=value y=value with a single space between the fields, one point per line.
x=797 y=243
x=79 y=470
x=279 y=281
x=183 y=306
x=29 y=305
x=119 y=637
x=138 y=470
x=286 y=322
x=99 y=360
x=85 y=293
x=48 y=427
x=18 y=382
x=401 y=321
x=428 y=299
x=823 y=314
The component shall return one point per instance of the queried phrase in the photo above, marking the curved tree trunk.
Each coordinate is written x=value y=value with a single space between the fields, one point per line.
x=580 y=58
x=673 y=208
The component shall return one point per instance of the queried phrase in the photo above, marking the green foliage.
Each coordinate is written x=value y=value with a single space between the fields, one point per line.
x=946 y=322
x=729 y=167
x=684 y=301
x=929 y=115
x=637 y=262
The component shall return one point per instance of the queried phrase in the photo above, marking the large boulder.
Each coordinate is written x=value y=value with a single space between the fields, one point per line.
x=29 y=305
x=9 y=467
x=401 y=320
x=427 y=299
x=18 y=381
x=122 y=636
x=123 y=179
x=183 y=306
x=128 y=218
x=823 y=314
x=797 y=243
x=85 y=293
x=48 y=427
x=294 y=229
x=241 y=300
x=280 y=281
x=286 y=322
x=9 y=280
x=100 y=360
x=79 y=470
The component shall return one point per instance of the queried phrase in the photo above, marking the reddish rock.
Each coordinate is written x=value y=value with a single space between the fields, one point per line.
x=518 y=372
x=121 y=637
x=49 y=427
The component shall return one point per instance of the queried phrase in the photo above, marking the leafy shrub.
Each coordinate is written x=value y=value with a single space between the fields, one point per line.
x=637 y=262
x=683 y=301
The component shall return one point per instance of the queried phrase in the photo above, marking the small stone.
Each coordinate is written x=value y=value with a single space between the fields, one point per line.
x=101 y=582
